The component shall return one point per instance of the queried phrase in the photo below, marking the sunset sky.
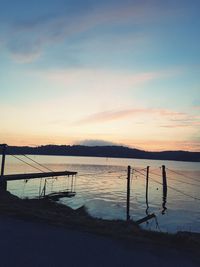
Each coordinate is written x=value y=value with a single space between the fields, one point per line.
x=81 y=71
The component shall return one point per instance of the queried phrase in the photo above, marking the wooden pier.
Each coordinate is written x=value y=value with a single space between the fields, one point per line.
x=27 y=176
x=39 y=175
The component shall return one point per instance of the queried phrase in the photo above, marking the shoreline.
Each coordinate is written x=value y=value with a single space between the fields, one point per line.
x=59 y=215
x=105 y=151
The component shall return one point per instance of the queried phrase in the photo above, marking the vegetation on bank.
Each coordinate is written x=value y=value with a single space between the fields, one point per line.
x=44 y=210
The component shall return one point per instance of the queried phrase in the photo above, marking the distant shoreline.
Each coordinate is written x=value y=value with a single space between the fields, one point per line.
x=104 y=151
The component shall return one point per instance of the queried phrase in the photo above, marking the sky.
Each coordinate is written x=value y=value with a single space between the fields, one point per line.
x=100 y=72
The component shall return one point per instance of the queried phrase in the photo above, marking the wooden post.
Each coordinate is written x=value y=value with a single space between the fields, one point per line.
x=45 y=183
x=164 y=177
x=128 y=194
x=145 y=219
x=72 y=183
x=3 y=183
x=147 y=187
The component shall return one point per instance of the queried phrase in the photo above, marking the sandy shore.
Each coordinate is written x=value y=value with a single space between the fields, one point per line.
x=30 y=244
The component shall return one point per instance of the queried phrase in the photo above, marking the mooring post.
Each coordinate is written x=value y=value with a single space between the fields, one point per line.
x=45 y=183
x=164 y=177
x=147 y=187
x=3 y=184
x=128 y=194
x=72 y=183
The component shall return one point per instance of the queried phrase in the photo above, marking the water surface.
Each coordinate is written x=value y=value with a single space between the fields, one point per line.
x=101 y=186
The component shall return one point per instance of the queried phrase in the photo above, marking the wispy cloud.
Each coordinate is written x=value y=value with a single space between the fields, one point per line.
x=25 y=37
x=197 y=108
x=181 y=125
x=112 y=115
x=160 y=145
x=104 y=83
x=21 y=56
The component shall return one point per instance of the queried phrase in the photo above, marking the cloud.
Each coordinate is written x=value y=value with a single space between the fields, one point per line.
x=112 y=115
x=183 y=125
x=166 y=144
x=22 y=57
x=24 y=50
x=197 y=108
x=107 y=85
x=26 y=36
x=93 y=142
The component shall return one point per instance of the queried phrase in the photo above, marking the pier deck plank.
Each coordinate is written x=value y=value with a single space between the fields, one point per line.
x=27 y=176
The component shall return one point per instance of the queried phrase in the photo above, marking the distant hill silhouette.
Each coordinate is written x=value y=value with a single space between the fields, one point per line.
x=104 y=151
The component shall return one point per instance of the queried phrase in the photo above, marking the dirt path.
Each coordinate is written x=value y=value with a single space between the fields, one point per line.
x=28 y=244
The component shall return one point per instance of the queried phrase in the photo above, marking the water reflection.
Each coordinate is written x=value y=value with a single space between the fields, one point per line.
x=164 y=177
x=164 y=200
x=147 y=190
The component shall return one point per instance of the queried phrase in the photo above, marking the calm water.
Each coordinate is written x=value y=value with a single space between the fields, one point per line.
x=101 y=187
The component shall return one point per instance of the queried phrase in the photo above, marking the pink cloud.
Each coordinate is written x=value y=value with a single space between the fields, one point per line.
x=160 y=145
x=181 y=125
x=126 y=113
x=196 y=107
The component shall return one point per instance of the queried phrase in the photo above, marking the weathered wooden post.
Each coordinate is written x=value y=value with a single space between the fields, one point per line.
x=45 y=184
x=3 y=183
x=128 y=194
x=147 y=187
x=72 y=183
x=164 y=177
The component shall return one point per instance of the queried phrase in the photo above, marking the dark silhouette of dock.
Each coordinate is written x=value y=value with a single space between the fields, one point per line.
x=27 y=176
